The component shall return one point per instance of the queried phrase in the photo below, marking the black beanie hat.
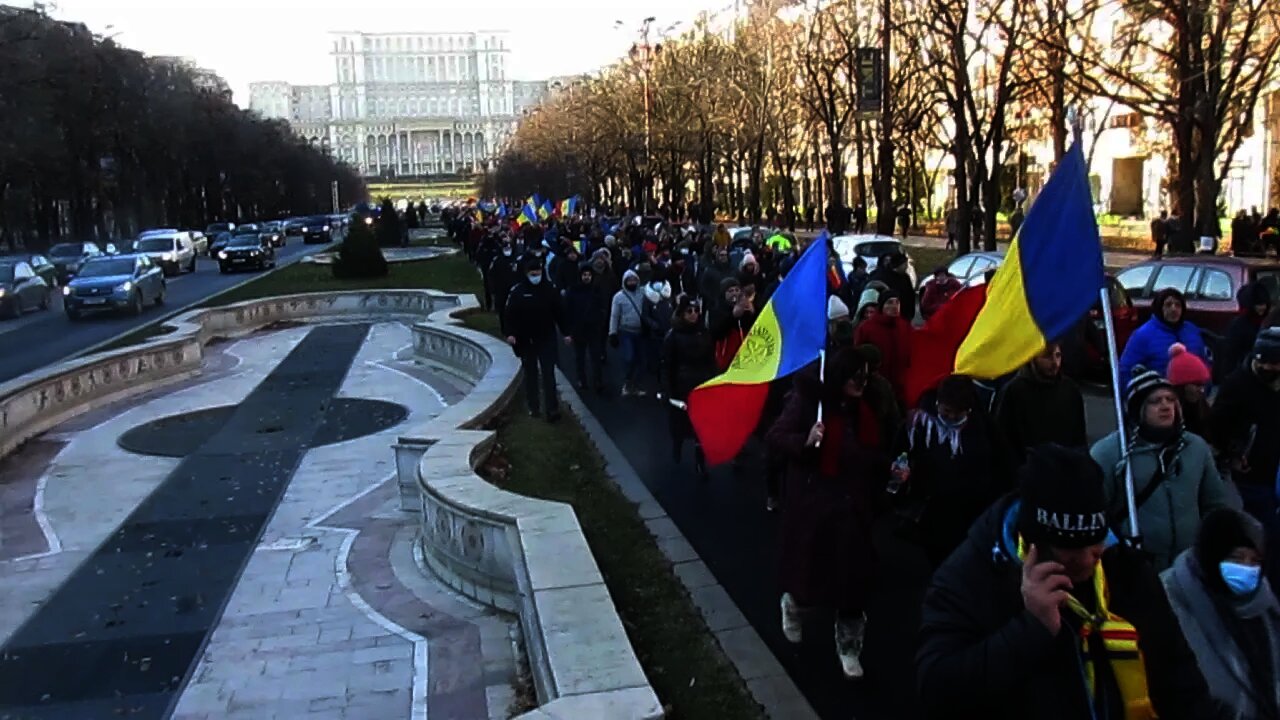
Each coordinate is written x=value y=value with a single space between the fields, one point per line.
x=1266 y=348
x=885 y=297
x=729 y=282
x=1222 y=531
x=1062 y=500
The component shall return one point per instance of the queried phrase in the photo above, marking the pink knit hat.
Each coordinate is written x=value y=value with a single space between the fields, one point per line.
x=1185 y=368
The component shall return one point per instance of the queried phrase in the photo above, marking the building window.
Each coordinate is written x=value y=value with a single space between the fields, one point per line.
x=1127 y=120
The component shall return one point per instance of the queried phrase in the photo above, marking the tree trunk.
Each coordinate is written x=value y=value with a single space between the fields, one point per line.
x=884 y=190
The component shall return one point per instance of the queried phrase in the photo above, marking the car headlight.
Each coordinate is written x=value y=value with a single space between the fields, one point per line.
x=222 y=254
x=253 y=253
x=1 y=292
x=368 y=221
x=324 y=229
x=306 y=229
x=125 y=286
x=66 y=290
x=167 y=257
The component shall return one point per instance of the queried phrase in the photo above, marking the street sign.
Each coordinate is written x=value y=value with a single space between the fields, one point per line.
x=869 y=81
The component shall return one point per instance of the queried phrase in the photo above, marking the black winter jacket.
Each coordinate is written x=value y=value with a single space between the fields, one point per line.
x=586 y=313
x=900 y=284
x=1031 y=411
x=1246 y=417
x=983 y=655
x=503 y=274
x=688 y=357
x=532 y=313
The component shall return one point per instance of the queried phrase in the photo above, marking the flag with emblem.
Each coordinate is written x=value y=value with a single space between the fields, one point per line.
x=788 y=334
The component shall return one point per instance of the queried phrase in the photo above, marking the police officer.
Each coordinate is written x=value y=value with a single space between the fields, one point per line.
x=529 y=321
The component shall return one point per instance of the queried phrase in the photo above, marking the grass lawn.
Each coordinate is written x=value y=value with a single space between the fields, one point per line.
x=450 y=273
x=677 y=651
x=926 y=259
x=141 y=335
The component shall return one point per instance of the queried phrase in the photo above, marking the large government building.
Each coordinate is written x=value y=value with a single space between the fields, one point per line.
x=408 y=104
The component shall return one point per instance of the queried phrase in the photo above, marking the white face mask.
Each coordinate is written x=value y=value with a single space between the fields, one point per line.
x=506 y=252
x=534 y=279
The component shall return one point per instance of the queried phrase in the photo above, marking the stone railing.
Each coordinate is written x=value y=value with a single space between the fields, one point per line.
x=38 y=401
x=515 y=553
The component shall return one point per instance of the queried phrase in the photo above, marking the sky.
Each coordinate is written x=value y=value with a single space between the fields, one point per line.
x=251 y=40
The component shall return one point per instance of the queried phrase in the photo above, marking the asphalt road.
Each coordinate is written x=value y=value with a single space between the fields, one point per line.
x=41 y=338
x=726 y=522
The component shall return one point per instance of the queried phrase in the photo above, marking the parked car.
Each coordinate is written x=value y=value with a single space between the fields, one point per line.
x=317 y=229
x=172 y=250
x=67 y=258
x=274 y=231
x=246 y=252
x=122 y=282
x=21 y=288
x=966 y=268
x=870 y=248
x=220 y=227
x=1208 y=282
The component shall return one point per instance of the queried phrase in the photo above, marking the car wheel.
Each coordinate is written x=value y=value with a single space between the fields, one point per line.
x=160 y=295
x=135 y=304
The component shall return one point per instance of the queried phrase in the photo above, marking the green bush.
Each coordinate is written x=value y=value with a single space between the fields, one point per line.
x=359 y=255
x=390 y=233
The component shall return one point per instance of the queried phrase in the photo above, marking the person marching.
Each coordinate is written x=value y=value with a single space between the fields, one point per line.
x=529 y=321
x=688 y=360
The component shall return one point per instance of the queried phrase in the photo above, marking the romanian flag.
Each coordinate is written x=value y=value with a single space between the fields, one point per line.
x=1051 y=276
x=789 y=333
x=544 y=211
x=528 y=214
x=502 y=210
x=567 y=206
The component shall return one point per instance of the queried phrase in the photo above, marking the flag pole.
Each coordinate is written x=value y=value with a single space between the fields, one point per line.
x=1076 y=122
x=822 y=380
x=1122 y=433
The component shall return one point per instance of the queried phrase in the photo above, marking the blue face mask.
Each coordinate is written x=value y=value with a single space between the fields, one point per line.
x=1241 y=579
x=534 y=279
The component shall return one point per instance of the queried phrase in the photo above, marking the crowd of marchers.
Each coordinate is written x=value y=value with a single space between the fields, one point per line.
x=1043 y=602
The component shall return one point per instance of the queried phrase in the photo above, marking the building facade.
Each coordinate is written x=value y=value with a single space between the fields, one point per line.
x=408 y=104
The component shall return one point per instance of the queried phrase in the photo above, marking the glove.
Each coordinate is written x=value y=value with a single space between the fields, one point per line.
x=613 y=341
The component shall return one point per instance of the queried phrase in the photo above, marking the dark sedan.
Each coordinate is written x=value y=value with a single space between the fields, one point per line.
x=317 y=229
x=247 y=252
x=21 y=289
x=274 y=231
x=68 y=257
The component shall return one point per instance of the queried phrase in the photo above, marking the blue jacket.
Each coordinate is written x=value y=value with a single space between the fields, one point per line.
x=1149 y=346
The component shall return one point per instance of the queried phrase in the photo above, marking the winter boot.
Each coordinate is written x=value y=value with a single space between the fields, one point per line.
x=850 y=633
x=791 y=628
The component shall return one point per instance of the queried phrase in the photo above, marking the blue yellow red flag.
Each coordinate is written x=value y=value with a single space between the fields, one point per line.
x=528 y=214
x=544 y=210
x=789 y=333
x=567 y=206
x=1050 y=278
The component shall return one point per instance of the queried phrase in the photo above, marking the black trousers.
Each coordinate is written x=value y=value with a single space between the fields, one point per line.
x=589 y=350
x=539 y=362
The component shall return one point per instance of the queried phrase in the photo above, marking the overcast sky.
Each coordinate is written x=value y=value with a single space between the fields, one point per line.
x=248 y=40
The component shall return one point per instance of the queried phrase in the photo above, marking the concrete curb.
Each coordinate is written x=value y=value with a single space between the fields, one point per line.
x=756 y=664
x=523 y=555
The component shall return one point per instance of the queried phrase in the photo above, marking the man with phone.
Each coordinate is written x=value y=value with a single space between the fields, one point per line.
x=1036 y=615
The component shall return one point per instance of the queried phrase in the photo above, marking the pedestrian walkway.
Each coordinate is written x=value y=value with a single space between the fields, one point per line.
x=232 y=547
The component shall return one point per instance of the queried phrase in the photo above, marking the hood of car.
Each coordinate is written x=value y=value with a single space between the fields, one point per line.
x=104 y=281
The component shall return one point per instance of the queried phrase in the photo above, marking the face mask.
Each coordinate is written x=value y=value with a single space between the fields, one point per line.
x=1241 y=579
x=632 y=286
x=534 y=279
x=506 y=252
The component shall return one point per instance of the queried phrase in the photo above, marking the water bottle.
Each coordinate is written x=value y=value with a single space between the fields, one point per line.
x=899 y=473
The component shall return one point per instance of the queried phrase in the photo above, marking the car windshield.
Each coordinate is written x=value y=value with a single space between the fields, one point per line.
x=244 y=241
x=155 y=244
x=67 y=250
x=317 y=220
x=6 y=273
x=106 y=268
x=247 y=230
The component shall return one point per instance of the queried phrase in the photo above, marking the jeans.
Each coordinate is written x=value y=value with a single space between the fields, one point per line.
x=632 y=346
x=589 y=349
x=539 y=362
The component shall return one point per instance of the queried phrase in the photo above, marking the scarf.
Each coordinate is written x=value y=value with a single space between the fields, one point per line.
x=1214 y=625
x=1110 y=640
x=865 y=427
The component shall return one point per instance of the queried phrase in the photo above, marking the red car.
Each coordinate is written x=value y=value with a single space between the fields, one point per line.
x=1208 y=282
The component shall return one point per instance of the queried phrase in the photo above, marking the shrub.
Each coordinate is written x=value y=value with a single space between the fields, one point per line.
x=359 y=255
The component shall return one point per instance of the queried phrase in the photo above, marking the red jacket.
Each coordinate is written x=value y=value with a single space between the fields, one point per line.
x=892 y=336
x=937 y=294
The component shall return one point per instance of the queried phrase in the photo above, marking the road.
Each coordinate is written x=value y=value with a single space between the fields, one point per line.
x=726 y=522
x=41 y=338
